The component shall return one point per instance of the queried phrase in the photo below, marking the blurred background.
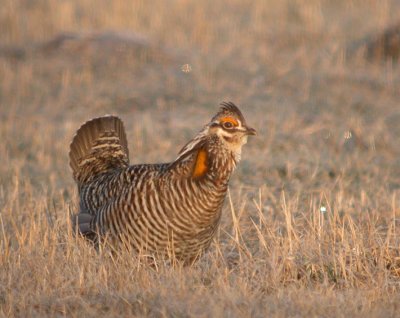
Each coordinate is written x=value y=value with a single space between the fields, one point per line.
x=318 y=79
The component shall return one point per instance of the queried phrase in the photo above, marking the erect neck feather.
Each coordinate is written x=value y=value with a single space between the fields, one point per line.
x=216 y=164
x=205 y=156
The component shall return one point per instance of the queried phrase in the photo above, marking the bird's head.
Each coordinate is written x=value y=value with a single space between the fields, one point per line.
x=227 y=131
x=230 y=127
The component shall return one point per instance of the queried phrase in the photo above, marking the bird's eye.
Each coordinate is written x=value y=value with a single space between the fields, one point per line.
x=227 y=125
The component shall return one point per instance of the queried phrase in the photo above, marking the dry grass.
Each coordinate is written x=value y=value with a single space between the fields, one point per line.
x=311 y=227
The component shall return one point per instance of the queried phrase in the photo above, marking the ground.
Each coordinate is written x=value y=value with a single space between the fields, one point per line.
x=311 y=226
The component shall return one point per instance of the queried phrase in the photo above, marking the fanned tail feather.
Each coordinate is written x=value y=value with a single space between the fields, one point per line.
x=98 y=146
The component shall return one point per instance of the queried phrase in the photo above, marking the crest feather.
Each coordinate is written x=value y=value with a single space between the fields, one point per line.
x=229 y=108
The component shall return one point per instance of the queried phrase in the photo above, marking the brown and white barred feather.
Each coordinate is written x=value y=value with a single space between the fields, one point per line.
x=98 y=146
x=169 y=209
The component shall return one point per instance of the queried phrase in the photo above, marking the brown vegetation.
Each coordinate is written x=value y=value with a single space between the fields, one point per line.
x=311 y=226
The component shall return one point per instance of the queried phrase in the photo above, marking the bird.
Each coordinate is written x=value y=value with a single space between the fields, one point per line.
x=167 y=210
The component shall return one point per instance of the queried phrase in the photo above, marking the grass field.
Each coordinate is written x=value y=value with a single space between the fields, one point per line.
x=311 y=226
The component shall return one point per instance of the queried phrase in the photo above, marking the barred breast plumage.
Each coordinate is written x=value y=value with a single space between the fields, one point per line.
x=170 y=210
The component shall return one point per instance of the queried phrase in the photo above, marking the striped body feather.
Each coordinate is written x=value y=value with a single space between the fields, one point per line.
x=170 y=209
x=156 y=209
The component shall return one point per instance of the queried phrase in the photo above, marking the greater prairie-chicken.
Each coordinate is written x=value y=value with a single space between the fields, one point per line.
x=170 y=210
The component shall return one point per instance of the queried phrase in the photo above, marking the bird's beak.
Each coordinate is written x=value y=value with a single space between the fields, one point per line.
x=250 y=131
